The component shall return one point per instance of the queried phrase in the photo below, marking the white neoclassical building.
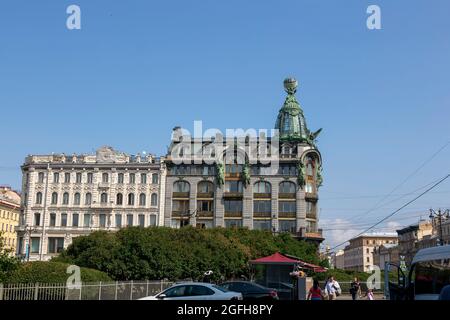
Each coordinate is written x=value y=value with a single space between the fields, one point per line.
x=67 y=196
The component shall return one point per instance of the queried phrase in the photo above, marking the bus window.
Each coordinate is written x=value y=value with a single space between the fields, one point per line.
x=431 y=276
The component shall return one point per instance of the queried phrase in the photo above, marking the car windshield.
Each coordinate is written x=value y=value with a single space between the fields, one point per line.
x=220 y=288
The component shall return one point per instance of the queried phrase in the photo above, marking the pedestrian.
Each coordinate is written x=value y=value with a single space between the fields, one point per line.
x=332 y=288
x=315 y=293
x=355 y=288
x=369 y=294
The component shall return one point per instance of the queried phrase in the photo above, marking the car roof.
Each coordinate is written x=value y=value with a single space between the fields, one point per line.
x=207 y=284
x=434 y=253
x=247 y=282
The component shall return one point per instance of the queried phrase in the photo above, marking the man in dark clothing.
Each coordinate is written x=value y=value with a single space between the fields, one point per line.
x=355 y=288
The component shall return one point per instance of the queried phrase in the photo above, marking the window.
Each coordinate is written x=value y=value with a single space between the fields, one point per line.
x=205 y=187
x=35 y=244
x=262 y=206
x=75 y=218
x=37 y=219
x=155 y=178
x=143 y=178
x=181 y=186
x=287 y=206
x=120 y=178
x=233 y=223
x=88 y=198
x=141 y=219
x=87 y=220
x=205 y=206
x=104 y=198
x=367 y=250
x=118 y=220
x=287 y=187
x=76 y=199
x=56 y=177
x=368 y=259
x=39 y=198
x=40 y=177
x=52 y=219
x=119 y=199
x=55 y=245
x=63 y=219
x=102 y=220
x=66 y=198
x=233 y=206
x=199 y=291
x=262 y=224
x=90 y=177
x=105 y=177
x=181 y=206
x=131 y=199
x=129 y=220
x=54 y=198
x=132 y=178
x=67 y=177
x=78 y=177
x=154 y=199
x=262 y=187
x=233 y=186
x=142 y=199
x=287 y=226
x=153 y=220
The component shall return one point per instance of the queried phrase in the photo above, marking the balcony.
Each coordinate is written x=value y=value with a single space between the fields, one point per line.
x=311 y=234
x=232 y=175
x=312 y=196
x=103 y=185
x=311 y=215
x=288 y=215
x=183 y=195
x=228 y=194
x=262 y=215
x=286 y=196
x=205 y=214
x=262 y=196
x=205 y=195
x=233 y=214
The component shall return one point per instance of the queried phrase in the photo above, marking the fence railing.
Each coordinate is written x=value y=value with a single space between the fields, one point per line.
x=119 y=290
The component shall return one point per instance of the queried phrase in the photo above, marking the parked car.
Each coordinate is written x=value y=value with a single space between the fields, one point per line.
x=195 y=291
x=251 y=290
x=285 y=290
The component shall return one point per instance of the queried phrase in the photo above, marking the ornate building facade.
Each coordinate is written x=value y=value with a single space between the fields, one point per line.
x=258 y=182
x=9 y=217
x=67 y=196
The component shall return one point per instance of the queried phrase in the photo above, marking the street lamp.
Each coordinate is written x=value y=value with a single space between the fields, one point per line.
x=28 y=231
x=439 y=215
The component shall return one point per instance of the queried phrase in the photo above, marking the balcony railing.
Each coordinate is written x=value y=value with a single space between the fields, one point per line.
x=233 y=214
x=262 y=214
x=180 y=195
x=311 y=215
x=287 y=214
x=228 y=194
x=262 y=195
x=286 y=196
x=205 y=214
x=205 y=195
x=312 y=196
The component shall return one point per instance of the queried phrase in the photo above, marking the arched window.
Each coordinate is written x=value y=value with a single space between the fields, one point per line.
x=142 y=199
x=131 y=199
x=154 y=199
x=155 y=178
x=88 y=199
x=119 y=198
x=54 y=198
x=40 y=177
x=65 y=198
x=39 y=198
x=287 y=187
x=181 y=186
x=105 y=177
x=76 y=199
x=262 y=187
x=104 y=198
x=310 y=166
x=205 y=187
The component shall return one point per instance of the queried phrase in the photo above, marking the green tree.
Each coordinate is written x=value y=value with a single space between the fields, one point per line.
x=8 y=263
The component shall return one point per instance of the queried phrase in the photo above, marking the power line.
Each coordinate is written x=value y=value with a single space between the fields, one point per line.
x=393 y=213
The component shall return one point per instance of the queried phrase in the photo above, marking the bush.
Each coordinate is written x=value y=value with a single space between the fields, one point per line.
x=51 y=272
x=8 y=263
x=159 y=252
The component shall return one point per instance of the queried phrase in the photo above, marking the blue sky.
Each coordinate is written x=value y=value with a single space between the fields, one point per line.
x=138 y=68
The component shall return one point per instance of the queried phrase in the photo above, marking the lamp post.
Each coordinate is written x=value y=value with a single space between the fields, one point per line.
x=439 y=215
x=28 y=231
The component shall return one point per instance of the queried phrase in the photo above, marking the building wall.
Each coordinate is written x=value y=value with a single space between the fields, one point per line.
x=9 y=217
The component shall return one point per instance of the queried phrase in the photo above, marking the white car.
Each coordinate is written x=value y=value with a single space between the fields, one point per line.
x=195 y=291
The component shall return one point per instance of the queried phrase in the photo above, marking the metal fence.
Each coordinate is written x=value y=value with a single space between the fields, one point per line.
x=119 y=290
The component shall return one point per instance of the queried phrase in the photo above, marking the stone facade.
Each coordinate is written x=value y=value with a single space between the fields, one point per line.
x=67 y=196
x=386 y=253
x=9 y=217
x=411 y=237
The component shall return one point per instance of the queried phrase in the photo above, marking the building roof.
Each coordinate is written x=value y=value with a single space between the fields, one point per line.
x=9 y=196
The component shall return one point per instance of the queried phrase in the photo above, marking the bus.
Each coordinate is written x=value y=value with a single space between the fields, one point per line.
x=428 y=275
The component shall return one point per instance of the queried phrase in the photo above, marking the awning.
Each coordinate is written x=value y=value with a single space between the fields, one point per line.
x=278 y=258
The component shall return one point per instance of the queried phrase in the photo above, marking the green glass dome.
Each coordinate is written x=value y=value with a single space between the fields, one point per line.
x=291 y=121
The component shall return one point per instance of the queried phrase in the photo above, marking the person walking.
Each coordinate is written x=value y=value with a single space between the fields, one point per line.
x=369 y=294
x=315 y=293
x=355 y=288
x=332 y=288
